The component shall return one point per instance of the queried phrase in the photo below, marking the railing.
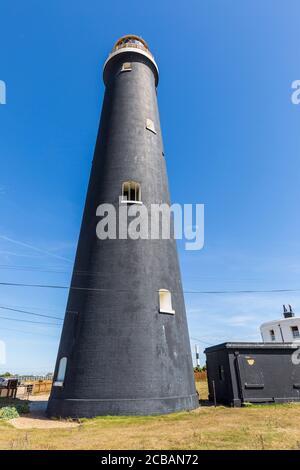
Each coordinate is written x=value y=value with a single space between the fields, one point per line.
x=132 y=44
x=32 y=378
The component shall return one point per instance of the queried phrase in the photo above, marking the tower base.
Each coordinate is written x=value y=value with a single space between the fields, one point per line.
x=87 y=408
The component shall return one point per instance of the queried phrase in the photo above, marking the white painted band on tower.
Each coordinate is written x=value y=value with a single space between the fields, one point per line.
x=131 y=49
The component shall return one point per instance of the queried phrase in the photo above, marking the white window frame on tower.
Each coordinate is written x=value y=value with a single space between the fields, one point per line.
x=126 y=67
x=165 y=302
x=61 y=372
x=150 y=126
x=131 y=187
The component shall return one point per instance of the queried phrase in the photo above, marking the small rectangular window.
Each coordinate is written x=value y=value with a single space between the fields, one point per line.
x=126 y=67
x=272 y=335
x=295 y=331
x=131 y=192
x=150 y=126
x=61 y=372
x=221 y=373
x=165 y=302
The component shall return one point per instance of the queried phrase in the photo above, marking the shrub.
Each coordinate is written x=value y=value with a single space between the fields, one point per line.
x=9 y=412
x=22 y=408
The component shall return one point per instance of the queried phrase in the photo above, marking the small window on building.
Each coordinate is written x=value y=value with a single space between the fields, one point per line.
x=131 y=192
x=272 y=335
x=61 y=372
x=126 y=67
x=295 y=331
x=150 y=126
x=165 y=302
x=221 y=373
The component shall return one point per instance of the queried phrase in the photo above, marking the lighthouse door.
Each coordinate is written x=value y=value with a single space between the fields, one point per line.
x=251 y=379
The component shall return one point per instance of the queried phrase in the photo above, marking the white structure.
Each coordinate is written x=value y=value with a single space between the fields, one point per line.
x=286 y=330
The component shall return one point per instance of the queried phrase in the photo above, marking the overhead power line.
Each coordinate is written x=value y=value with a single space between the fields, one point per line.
x=201 y=341
x=26 y=312
x=49 y=269
x=95 y=289
x=35 y=248
x=37 y=333
x=57 y=270
x=246 y=291
x=29 y=321
x=46 y=286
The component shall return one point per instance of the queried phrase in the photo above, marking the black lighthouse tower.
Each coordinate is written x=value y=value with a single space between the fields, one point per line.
x=124 y=348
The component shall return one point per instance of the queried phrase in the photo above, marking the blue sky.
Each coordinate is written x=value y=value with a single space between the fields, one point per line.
x=231 y=137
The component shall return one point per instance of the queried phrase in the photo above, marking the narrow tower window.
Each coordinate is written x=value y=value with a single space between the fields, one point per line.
x=150 y=126
x=165 y=302
x=126 y=67
x=61 y=372
x=131 y=192
x=272 y=334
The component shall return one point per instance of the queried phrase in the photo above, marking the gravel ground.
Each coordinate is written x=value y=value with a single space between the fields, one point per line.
x=37 y=418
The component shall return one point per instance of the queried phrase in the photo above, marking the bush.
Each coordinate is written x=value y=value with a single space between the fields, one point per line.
x=22 y=408
x=10 y=412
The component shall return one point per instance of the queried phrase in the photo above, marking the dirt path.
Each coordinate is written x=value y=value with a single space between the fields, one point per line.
x=36 y=418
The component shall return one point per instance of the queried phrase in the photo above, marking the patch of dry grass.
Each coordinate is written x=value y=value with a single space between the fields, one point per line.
x=202 y=389
x=258 y=427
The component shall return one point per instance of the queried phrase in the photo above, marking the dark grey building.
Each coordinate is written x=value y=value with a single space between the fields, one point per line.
x=125 y=348
x=241 y=373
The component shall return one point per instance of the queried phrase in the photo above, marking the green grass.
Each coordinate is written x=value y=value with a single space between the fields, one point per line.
x=254 y=427
x=264 y=427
